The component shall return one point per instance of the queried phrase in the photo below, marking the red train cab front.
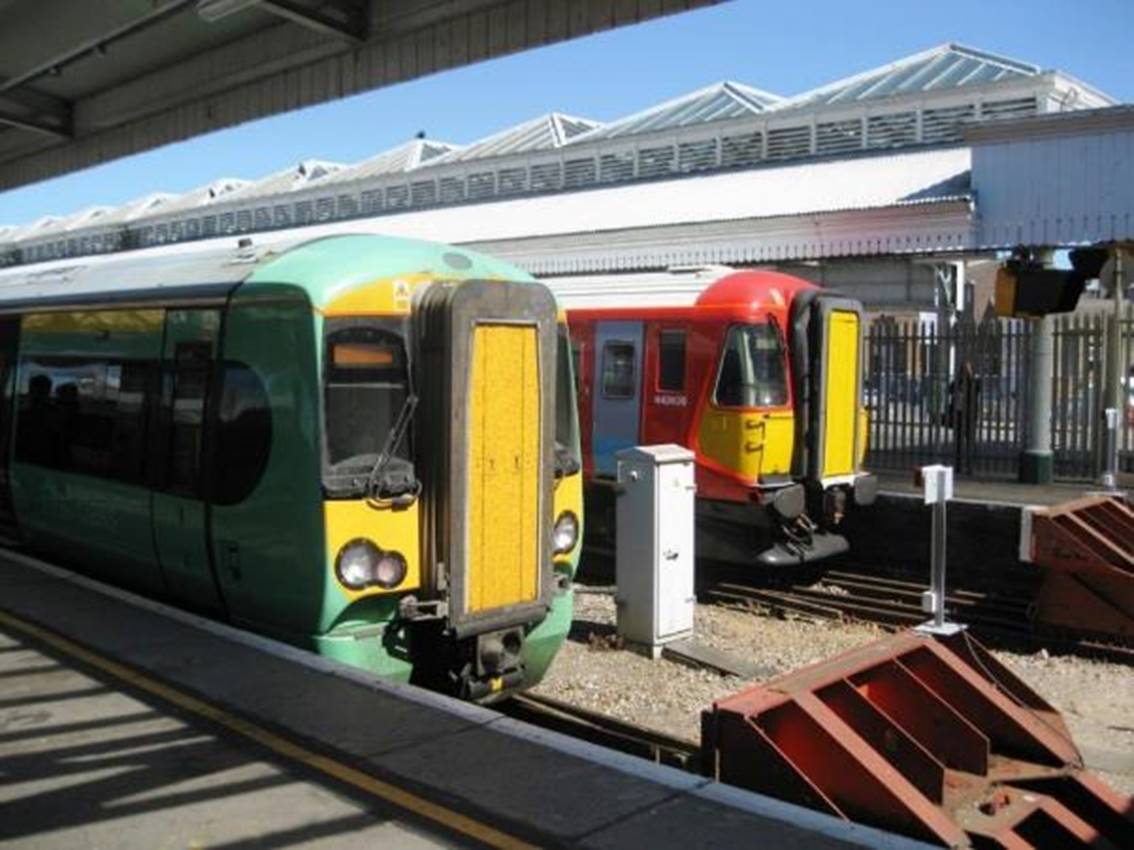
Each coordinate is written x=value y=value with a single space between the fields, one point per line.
x=761 y=378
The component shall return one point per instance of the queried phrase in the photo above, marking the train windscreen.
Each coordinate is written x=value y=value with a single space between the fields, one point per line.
x=366 y=386
x=752 y=369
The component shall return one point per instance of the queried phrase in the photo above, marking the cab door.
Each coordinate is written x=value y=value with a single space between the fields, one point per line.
x=618 y=391
x=179 y=513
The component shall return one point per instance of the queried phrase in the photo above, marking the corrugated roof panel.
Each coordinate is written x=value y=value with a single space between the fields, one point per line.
x=547 y=132
x=298 y=176
x=35 y=228
x=146 y=205
x=83 y=218
x=944 y=67
x=210 y=193
x=920 y=177
x=717 y=102
x=405 y=157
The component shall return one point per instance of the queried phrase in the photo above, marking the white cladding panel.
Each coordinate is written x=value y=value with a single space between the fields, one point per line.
x=1055 y=189
x=655 y=550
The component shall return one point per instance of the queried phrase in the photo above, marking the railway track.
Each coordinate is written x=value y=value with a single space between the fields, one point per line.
x=996 y=613
x=601 y=729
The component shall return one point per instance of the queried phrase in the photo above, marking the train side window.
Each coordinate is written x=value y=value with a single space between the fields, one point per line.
x=128 y=443
x=752 y=372
x=84 y=416
x=244 y=434
x=671 y=360
x=618 y=377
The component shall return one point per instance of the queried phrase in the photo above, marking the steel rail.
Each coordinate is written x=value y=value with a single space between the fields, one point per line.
x=894 y=603
x=598 y=728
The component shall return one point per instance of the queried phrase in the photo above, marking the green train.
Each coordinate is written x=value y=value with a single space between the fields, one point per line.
x=360 y=445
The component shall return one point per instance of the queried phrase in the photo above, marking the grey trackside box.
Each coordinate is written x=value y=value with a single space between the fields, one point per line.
x=654 y=560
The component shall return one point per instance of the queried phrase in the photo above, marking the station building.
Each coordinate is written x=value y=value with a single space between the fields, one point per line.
x=853 y=184
x=902 y=186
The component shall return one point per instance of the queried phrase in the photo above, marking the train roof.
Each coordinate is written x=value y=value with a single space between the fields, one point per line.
x=737 y=295
x=324 y=267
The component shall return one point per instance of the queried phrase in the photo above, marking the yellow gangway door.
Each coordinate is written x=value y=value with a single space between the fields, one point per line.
x=504 y=467
x=841 y=392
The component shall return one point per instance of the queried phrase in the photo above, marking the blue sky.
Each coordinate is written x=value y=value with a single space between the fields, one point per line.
x=785 y=48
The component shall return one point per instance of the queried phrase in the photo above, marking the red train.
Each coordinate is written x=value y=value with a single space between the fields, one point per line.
x=762 y=379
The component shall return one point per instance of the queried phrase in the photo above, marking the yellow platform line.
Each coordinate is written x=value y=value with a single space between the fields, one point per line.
x=344 y=773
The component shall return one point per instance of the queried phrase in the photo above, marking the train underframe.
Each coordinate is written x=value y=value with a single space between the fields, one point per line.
x=781 y=527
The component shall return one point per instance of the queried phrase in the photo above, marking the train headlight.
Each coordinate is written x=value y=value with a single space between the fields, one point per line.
x=390 y=570
x=357 y=563
x=566 y=533
x=361 y=564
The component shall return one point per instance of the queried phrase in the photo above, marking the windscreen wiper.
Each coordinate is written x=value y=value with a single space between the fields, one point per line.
x=566 y=463
x=403 y=492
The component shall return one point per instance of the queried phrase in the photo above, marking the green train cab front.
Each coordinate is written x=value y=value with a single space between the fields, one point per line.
x=449 y=468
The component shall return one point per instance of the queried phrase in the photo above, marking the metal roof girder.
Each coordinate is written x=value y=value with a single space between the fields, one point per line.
x=349 y=21
x=36 y=111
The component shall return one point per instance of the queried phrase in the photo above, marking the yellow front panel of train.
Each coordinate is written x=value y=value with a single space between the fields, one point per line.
x=840 y=393
x=748 y=444
x=504 y=467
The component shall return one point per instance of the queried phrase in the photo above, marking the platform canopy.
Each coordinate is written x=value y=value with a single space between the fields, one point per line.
x=85 y=82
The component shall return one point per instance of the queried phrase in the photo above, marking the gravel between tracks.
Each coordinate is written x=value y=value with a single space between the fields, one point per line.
x=593 y=671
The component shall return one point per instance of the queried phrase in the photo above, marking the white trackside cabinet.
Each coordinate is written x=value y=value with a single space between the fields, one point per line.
x=654 y=560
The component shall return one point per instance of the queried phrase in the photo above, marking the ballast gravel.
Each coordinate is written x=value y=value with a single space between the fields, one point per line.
x=595 y=671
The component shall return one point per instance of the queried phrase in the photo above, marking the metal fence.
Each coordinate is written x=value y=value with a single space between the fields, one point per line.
x=959 y=394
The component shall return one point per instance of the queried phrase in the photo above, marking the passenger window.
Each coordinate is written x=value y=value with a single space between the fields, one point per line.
x=752 y=372
x=244 y=434
x=84 y=416
x=618 y=378
x=128 y=448
x=671 y=361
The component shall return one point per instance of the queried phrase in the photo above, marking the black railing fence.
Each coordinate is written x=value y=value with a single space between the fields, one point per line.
x=959 y=393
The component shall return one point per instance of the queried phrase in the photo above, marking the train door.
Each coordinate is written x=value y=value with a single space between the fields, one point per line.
x=665 y=389
x=179 y=514
x=617 y=399
x=9 y=339
x=839 y=387
x=265 y=500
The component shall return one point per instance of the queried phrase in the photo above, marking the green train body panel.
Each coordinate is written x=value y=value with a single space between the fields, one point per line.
x=268 y=568
x=260 y=560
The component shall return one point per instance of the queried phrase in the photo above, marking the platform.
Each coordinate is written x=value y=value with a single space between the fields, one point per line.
x=983 y=523
x=120 y=716
x=991 y=492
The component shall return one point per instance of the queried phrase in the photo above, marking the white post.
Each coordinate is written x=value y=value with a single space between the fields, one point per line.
x=937 y=482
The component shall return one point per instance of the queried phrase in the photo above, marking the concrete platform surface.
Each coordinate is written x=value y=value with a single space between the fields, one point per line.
x=992 y=492
x=124 y=723
x=85 y=764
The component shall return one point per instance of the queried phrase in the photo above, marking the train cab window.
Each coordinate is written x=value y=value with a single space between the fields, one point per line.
x=244 y=434
x=577 y=365
x=366 y=392
x=618 y=379
x=671 y=360
x=752 y=371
